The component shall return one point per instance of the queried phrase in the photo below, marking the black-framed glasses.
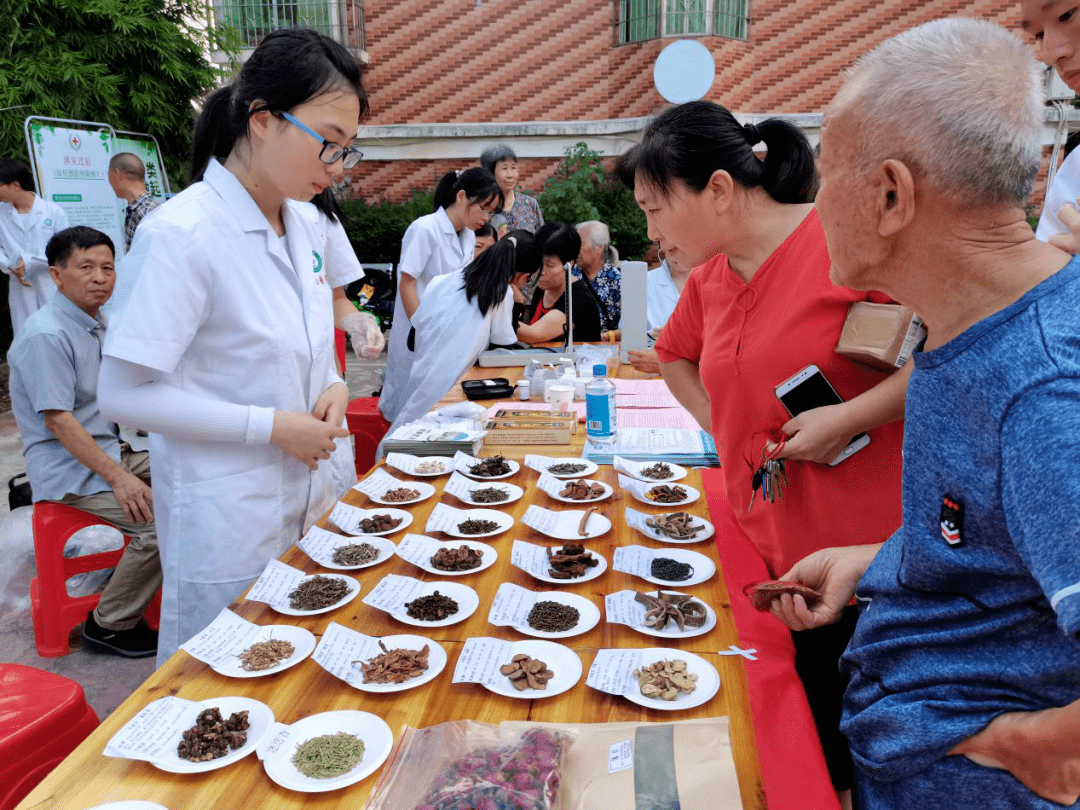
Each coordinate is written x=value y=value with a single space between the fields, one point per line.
x=331 y=152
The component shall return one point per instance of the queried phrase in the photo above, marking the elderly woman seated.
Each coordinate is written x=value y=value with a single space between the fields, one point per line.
x=545 y=318
x=519 y=210
x=598 y=268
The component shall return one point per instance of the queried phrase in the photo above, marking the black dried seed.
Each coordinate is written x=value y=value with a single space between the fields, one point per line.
x=671 y=570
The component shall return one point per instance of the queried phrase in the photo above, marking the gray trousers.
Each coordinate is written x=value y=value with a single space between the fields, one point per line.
x=138 y=574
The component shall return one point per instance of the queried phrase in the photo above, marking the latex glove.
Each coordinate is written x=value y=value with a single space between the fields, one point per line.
x=365 y=334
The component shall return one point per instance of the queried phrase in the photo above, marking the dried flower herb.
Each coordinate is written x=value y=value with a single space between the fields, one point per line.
x=526 y=672
x=432 y=608
x=473 y=526
x=566 y=469
x=379 y=523
x=570 y=562
x=676 y=525
x=553 y=617
x=317 y=592
x=490 y=467
x=489 y=495
x=670 y=570
x=354 y=554
x=329 y=755
x=582 y=491
x=665 y=679
x=461 y=558
x=400 y=495
x=658 y=472
x=395 y=666
x=666 y=493
x=429 y=467
x=211 y=737
x=263 y=655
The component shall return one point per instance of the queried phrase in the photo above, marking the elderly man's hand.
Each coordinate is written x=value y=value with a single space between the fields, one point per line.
x=1038 y=748
x=646 y=361
x=1070 y=240
x=832 y=572
x=135 y=497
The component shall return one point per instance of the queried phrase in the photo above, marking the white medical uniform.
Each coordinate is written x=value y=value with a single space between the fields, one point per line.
x=1064 y=189
x=342 y=268
x=25 y=236
x=233 y=315
x=430 y=248
x=661 y=296
x=450 y=334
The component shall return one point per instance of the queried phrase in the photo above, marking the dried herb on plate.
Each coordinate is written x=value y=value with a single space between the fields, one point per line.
x=317 y=592
x=526 y=672
x=570 y=562
x=329 y=755
x=354 y=554
x=676 y=525
x=666 y=493
x=461 y=558
x=212 y=737
x=665 y=679
x=553 y=617
x=490 y=467
x=379 y=523
x=566 y=469
x=665 y=607
x=429 y=467
x=395 y=666
x=400 y=495
x=432 y=608
x=263 y=655
x=670 y=570
x=580 y=491
x=658 y=472
x=489 y=495
x=473 y=526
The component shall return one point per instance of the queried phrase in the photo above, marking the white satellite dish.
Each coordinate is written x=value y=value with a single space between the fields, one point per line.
x=684 y=71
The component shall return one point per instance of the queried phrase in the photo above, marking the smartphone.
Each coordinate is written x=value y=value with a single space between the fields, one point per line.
x=809 y=389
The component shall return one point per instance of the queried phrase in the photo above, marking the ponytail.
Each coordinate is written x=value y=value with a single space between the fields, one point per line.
x=690 y=142
x=488 y=276
x=478 y=184
x=216 y=131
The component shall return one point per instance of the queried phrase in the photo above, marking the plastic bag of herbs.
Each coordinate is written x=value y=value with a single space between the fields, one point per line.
x=476 y=766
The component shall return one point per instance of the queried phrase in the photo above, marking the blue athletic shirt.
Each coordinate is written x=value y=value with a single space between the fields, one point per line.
x=951 y=635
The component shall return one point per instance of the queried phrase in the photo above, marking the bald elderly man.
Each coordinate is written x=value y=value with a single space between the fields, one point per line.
x=127 y=176
x=964 y=668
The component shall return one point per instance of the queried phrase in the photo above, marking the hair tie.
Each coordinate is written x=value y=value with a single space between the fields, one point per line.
x=513 y=239
x=752 y=134
x=457 y=172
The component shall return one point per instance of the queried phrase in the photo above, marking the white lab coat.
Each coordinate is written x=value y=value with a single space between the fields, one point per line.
x=228 y=311
x=450 y=334
x=342 y=268
x=1064 y=189
x=430 y=248
x=25 y=236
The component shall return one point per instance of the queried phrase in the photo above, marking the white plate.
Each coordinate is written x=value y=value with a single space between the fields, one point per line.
x=468 y=601
x=704 y=568
x=513 y=490
x=677 y=474
x=504 y=520
x=607 y=494
x=671 y=630
x=708 y=532
x=302 y=640
x=425 y=489
x=513 y=465
x=592 y=573
x=691 y=496
x=590 y=614
x=436 y=664
x=386 y=551
x=561 y=660
x=260 y=718
x=448 y=466
x=377 y=737
x=590 y=467
x=708 y=682
x=488 y=560
x=567 y=523
x=354 y=591
x=406 y=520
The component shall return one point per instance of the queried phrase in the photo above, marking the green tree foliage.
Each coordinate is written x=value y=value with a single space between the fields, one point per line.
x=567 y=194
x=375 y=230
x=134 y=64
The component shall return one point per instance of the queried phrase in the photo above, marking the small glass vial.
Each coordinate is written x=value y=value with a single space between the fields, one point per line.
x=523 y=392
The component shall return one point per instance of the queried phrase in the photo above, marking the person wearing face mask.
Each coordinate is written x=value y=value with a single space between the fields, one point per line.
x=437 y=243
x=221 y=348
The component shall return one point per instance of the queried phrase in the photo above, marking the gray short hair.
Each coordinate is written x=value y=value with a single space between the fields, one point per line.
x=493 y=154
x=599 y=236
x=128 y=165
x=959 y=101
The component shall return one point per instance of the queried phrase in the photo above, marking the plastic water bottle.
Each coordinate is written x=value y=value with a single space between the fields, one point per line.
x=600 y=407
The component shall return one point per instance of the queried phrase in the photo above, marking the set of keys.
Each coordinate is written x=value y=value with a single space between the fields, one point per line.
x=770 y=477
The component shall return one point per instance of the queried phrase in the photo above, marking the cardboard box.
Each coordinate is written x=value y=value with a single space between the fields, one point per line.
x=883 y=336
x=530 y=431
x=515 y=415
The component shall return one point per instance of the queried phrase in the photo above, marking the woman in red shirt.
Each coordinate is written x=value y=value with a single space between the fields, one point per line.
x=758 y=308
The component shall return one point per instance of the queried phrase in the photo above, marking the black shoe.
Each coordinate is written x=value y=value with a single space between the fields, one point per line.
x=138 y=642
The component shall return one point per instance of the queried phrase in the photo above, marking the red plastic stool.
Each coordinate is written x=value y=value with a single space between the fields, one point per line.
x=43 y=718
x=368 y=426
x=53 y=611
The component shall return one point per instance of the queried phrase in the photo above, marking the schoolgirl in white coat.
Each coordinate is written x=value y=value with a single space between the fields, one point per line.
x=222 y=349
x=435 y=244
x=460 y=315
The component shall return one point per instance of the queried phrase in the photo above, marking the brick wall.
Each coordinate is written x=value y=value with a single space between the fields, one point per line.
x=452 y=61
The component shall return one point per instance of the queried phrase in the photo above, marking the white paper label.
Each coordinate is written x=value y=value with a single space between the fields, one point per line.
x=274 y=742
x=153 y=734
x=543 y=520
x=275 y=584
x=530 y=558
x=319 y=544
x=622 y=609
x=223 y=639
x=550 y=484
x=612 y=671
x=378 y=483
x=418 y=549
x=444 y=518
x=633 y=485
x=480 y=660
x=636 y=520
x=636 y=560
x=620 y=756
x=393 y=591
x=511 y=605
x=464 y=462
x=341 y=651
x=538 y=463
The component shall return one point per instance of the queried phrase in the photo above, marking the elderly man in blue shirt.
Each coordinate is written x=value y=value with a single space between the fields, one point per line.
x=73 y=454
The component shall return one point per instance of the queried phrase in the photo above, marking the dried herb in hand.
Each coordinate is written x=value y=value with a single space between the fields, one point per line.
x=328 y=756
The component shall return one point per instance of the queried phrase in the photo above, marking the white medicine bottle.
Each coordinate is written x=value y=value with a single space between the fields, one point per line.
x=600 y=417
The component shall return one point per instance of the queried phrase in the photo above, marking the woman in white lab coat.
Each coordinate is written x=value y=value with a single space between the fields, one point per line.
x=222 y=347
x=461 y=314
x=435 y=244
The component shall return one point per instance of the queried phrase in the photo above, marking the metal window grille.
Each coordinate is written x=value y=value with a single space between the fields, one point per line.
x=251 y=20
x=648 y=19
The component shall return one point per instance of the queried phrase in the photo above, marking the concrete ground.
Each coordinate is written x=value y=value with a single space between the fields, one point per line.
x=107 y=680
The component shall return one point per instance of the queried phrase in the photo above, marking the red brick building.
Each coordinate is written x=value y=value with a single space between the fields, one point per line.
x=448 y=77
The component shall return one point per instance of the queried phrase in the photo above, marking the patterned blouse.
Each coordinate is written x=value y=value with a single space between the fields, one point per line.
x=607 y=288
x=524 y=214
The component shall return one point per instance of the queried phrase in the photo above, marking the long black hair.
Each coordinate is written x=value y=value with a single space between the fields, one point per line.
x=488 y=276
x=289 y=67
x=478 y=184
x=691 y=141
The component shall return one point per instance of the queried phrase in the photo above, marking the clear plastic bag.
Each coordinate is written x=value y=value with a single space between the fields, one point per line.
x=476 y=766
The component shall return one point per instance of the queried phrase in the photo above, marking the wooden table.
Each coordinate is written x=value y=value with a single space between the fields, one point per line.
x=86 y=778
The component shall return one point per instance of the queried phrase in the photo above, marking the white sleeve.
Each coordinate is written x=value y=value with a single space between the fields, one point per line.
x=134 y=395
x=342 y=266
x=502 y=327
x=416 y=248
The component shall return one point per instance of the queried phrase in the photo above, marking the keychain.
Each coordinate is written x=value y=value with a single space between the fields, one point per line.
x=770 y=476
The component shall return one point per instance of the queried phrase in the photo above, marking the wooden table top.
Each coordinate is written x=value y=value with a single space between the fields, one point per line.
x=87 y=778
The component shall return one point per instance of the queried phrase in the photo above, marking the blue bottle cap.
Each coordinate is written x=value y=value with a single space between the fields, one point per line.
x=599 y=370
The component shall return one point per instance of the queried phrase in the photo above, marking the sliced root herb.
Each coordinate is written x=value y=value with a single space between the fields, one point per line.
x=263 y=655
x=318 y=592
x=582 y=491
x=526 y=672
x=395 y=666
x=354 y=554
x=669 y=607
x=432 y=608
x=429 y=467
x=328 y=756
x=212 y=737
x=665 y=679
x=570 y=562
x=676 y=525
